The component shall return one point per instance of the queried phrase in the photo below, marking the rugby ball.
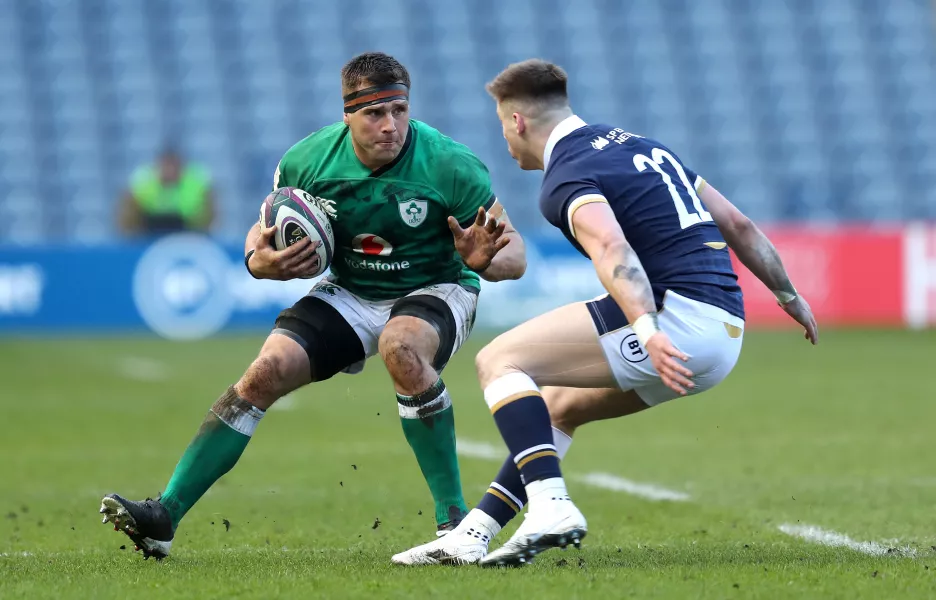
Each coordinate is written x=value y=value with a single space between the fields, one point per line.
x=297 y=215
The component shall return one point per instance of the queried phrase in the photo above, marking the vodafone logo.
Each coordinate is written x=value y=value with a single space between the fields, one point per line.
x=374 y=245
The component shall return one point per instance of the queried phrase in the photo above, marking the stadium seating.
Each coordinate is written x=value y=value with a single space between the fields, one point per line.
x=797 y=110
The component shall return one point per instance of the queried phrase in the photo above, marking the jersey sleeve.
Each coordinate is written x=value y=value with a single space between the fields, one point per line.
x=279 y=176
x=286 y=174
x=471 y=188
x=563 y=193
x=697 y=182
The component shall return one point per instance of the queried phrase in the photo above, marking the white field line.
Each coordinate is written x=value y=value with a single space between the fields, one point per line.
x=647 y=491
x=287 y=402
x=142 y=369
x=656 y=493
x=817 y=535
x=482 y=450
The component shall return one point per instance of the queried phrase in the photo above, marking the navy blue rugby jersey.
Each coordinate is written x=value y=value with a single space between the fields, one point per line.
x=654 y=197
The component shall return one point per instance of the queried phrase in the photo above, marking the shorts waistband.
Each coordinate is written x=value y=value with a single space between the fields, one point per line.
x=608 y=316
x=673 y=300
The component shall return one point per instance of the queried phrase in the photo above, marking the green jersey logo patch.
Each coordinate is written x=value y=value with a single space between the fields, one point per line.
x=413 y=211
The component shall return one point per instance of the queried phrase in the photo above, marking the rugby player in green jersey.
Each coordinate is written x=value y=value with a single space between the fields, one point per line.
x=416 y=225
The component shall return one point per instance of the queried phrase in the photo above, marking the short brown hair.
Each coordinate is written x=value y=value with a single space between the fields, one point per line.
x=376 y=68
x=532 y=80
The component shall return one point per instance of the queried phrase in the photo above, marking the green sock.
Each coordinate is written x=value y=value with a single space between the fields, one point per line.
x=217 y=446
x=428 y=421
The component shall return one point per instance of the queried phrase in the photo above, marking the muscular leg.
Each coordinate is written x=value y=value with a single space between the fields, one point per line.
x=557 y=349
x=407 y=346
x=410 y=347
x=560 y=348
x=311 y=342
x=281 y=367
x=569 y=409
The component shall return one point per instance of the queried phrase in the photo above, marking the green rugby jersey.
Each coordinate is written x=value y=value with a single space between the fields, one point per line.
x=391 y=234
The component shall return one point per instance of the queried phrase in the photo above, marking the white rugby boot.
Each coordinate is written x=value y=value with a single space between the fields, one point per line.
x=552 y=521
x=464 y=545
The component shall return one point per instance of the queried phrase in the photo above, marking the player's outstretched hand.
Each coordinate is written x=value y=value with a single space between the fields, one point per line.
x=802 y=314
x=479 y=243
x=666 y=360
x=269 y=263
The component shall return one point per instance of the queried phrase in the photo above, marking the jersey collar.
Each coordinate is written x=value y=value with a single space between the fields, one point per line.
x=562 y=129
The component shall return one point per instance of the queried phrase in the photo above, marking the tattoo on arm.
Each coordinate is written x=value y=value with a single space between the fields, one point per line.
x=767 y=256
x=629 y=271
x=625 y=272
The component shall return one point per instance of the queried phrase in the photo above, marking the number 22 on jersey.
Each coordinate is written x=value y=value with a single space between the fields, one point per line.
x=686 y=218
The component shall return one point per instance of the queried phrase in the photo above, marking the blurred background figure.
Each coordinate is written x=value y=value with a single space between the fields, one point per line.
x=168 y=196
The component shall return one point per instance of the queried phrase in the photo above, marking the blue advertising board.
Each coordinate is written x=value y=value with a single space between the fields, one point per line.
x=189 y=286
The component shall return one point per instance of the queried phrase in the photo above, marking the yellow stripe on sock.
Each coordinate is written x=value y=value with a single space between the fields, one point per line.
x=513 y=397
x=507 y=501
x=535 y=455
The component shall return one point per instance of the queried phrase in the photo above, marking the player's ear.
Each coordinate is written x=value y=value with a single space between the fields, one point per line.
x=520 y=122
x=346 y=120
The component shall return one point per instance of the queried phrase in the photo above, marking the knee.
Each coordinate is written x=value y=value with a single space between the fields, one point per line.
x=491 y=362
x=398 y=353
x=264 y=381
x=402 y=358
x=561 y=407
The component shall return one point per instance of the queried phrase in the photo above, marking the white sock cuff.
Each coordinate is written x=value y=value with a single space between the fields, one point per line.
x=240 y=415
x=533 y=450
x=562 y=441
x=509 y=387
x=433 y=400
x=478 y=518
x=247 y=422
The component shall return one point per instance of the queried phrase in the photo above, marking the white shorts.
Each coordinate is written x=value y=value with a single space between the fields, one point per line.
x=369 y=317
x=709 y=335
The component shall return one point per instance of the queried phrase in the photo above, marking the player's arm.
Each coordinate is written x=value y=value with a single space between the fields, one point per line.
x=251 y=242
x=596 y=229
x=510 y=261
x=758 y=254
x=489 y=246
x=749 y=243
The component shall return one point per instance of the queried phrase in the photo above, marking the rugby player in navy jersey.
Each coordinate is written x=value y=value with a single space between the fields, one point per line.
x=670 y=325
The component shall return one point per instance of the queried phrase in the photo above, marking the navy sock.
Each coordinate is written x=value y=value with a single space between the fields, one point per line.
x=506 y=495
x=523 y=420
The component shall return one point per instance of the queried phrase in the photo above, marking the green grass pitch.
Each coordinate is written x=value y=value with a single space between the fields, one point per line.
x=841 y=436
